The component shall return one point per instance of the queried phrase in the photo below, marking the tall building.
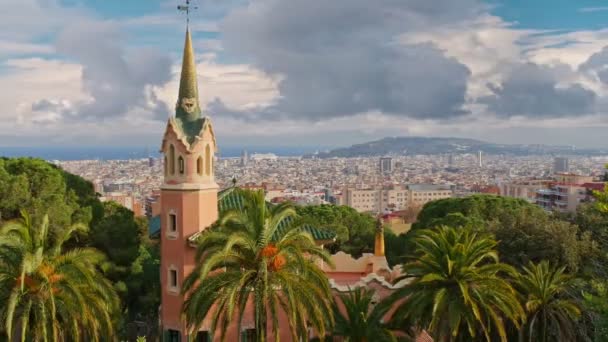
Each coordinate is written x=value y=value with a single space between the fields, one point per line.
x=386 y=165
x=560 y=165
x=151 y=161
x=188 y=193
x=244 y=158
x=479 y=159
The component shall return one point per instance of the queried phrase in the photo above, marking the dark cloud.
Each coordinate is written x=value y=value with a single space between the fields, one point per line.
x=342 y=57
x=116 y=79
x=533 y=90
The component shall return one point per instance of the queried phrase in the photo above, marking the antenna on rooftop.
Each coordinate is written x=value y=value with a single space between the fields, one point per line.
x=187 y=8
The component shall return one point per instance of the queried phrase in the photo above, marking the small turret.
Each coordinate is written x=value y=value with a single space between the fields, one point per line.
x=379 y=241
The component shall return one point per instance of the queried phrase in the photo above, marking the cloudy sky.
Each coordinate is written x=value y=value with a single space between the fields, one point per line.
x=306 y=72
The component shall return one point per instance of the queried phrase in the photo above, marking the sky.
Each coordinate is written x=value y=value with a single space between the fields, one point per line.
x=306 y=72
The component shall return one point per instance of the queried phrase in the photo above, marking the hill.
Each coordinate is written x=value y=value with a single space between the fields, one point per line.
x=430 y=145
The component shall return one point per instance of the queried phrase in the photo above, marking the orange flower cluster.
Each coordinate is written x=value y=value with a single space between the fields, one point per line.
x=277 y=261
x=33 y=285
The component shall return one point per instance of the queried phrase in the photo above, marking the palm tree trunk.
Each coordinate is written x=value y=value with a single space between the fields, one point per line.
x=544 y=327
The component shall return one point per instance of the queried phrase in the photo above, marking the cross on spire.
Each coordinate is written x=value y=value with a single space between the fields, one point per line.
x=186 y=8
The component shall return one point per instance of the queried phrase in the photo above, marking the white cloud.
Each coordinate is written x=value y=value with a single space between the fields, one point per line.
x=489 y=47
x=239 y=86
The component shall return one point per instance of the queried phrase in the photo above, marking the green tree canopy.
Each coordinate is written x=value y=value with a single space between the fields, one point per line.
x=551 y=310
x=47 y=293
x=456 y=289
x=524 y=231
x=38 y=188
x=359 y=318
x=355 y=231
x=470 y=211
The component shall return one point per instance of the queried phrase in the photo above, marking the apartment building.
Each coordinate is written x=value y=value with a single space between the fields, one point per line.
x=421 y=194
x=126 y=200
x=362 y=200
x=567 y=192
x=393 y=198
x=571 y=178
x=525 y=189
x=562 y=197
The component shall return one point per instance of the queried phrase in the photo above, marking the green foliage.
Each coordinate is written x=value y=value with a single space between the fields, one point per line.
x=528 y=235
x=47 y=293
x=117 y=234
x=472 y=211
x=602 y=197
x=596 y=301
x=355 y=231
x=525 y=231
x=38 y=188
x=395 y=246
x=456 y=289
x=551 y=311
x=246 y=258
x=359 y=318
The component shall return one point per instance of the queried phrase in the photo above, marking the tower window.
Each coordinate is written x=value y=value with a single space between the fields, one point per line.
x=173 y=335
x=199 y=166
x=208 y=160
x=202 y=336
x=181 y=164
x=172 y=159
x=165 y=166
x=173 y=278
x=248 y=335
x=172 y=222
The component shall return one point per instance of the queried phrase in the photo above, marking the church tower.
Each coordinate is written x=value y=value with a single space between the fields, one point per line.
x=188 y=192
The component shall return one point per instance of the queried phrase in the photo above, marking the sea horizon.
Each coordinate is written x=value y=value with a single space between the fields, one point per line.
x=68 y=153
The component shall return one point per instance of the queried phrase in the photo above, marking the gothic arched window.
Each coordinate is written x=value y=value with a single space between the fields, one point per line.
x=172 y=159
x=181 y=165
x=199 y=166
x=166 y=167
x=208 y=160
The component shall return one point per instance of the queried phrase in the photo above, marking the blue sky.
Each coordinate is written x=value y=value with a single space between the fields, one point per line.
x=306 y=72
x=554 y=14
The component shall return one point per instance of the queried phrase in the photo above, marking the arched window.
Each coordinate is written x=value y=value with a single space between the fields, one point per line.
x=166 y=167
x=172 y=159
x=181 y=165
x=208 y=160
x=199 y=166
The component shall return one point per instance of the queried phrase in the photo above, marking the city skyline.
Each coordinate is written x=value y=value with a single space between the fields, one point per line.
x=398 y=69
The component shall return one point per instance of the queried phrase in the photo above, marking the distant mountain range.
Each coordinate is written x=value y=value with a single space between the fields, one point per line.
x=427 y=145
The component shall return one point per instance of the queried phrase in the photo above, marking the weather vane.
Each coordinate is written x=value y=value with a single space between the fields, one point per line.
x=186 y=8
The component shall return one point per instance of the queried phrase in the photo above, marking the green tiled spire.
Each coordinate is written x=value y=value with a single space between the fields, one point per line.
x=188 y=108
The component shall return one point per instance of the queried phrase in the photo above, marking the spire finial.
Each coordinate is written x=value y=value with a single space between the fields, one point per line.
x=186 y=8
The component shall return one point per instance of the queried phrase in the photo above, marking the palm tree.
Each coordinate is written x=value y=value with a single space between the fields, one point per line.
x=551 y=311
x=259 y=254
x=50 y=294
x=360 y=317
x=455 y=288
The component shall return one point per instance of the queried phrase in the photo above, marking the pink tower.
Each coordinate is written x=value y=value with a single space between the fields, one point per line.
x=188 y=193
